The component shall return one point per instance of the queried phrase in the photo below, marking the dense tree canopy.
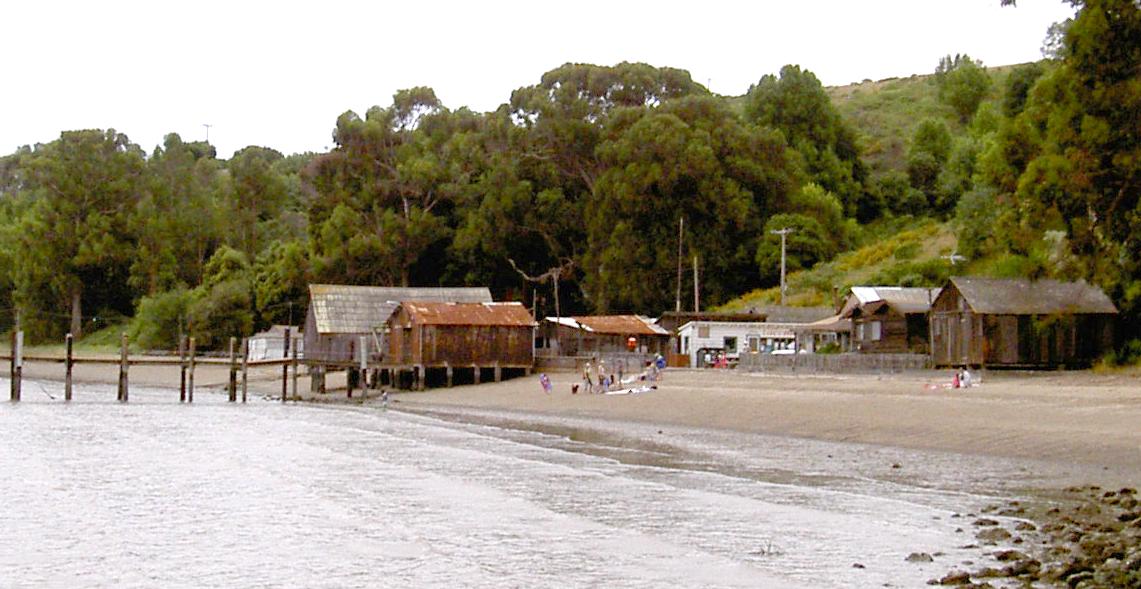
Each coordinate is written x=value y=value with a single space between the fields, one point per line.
x=571 y=193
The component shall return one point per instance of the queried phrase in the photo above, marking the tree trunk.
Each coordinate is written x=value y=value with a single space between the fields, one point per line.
x=76 y=315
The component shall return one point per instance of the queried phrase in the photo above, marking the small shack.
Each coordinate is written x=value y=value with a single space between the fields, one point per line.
x=734 y=338
x=270 y=344
x=1020 y=323
x=437 y=337
x=602 y=335
x=889 y=319
x=340 y=315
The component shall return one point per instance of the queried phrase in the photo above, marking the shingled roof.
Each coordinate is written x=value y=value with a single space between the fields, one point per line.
x=1005 y=296
x=470 y=314
x=360 y=309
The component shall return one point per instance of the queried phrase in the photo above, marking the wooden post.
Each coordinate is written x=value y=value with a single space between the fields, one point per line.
x=123 y=364
x=294 y=362
x=475 y=373
x=498 y=372
x=420 y=377
x=448 y=369
x=190 y=375
x=181 y=368
x=68 y=363
x=285 y=369
x=362 y=346
x=233 y=384
x=245 y=366
x=17 y=369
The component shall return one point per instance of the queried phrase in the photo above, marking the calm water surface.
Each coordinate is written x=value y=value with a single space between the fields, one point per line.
x=158 y=494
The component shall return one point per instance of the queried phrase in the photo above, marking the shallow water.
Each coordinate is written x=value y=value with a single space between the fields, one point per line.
x=158 y=494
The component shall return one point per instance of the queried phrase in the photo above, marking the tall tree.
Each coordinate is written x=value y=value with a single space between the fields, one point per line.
x=74 y=245
x=694 y=159
x=796 y=104
x=382 y=197
x=963 y=83
x=256 y=195
x=543 y=167
x=177 y=222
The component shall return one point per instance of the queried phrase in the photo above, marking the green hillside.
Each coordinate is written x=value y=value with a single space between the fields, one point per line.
x=912 y=256
x=887 y=112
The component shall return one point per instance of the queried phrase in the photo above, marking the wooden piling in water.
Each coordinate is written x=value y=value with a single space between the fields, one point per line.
x=17 y=368
x=123 y=367
x=233 y=383
x=448 y=370
x=245 y=366
x=285 y=369
x=190 y=375
x=182 y=369
x=68 y=363
x=294 y=364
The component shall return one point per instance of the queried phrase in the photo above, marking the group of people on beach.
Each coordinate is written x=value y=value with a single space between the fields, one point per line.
x=597 y=378
x=961 y=379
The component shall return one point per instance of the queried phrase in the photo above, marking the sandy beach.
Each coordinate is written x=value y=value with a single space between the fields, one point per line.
x=1081 y=420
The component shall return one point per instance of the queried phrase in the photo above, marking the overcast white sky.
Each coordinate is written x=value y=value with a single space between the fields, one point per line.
x=278 y=74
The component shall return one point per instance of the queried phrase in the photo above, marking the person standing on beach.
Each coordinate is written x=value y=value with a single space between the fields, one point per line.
x=587 y=384
x=601 y=366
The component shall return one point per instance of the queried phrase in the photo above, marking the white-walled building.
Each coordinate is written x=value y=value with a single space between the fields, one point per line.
x=734 y=338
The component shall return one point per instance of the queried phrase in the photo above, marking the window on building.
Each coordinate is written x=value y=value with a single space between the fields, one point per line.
x=754 y=344
x=730 y=345
x=703 y=331
x=875 y=330
x=685 y=344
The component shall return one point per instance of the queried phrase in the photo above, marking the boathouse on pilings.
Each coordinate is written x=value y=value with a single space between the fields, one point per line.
x=432 y=344
x=340 y=315
x=1019 y=323
x=889 y=319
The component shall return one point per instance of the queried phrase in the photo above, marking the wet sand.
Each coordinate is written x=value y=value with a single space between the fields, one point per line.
x=1085 y=423
x=1088 y=424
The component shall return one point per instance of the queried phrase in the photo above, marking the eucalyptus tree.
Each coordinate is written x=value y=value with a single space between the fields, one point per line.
x=543 y=168
x=177 y=223
x=795 y=103
x=382 y=199
x=691 y=159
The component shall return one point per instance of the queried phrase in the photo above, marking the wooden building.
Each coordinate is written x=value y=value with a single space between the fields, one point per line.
x=467 y=336
x=340 y=315
x=889 y=319
x=1020 y=323
x=602 y=335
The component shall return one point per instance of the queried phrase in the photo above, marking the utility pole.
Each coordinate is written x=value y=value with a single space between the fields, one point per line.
x=207 y=125
x=680 y=229
x=783 y=233
x=696 y=288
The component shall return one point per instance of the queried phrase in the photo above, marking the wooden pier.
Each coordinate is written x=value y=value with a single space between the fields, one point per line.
x=187 y=360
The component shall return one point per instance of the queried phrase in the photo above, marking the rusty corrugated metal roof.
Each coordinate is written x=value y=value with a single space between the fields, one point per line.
x=620 y=325
x=1003 y=296
x=360 y=309
x=905 y=300
x=470 y=314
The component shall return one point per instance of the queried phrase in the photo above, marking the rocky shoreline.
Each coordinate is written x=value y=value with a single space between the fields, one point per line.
x=1084 y=538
